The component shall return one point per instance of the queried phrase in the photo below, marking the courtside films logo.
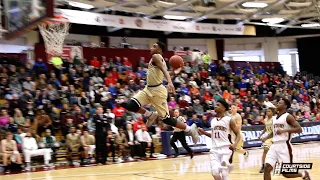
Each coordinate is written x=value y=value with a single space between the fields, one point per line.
x=290 y=168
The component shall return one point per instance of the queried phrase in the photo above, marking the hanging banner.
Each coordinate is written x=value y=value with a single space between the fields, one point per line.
x=89 y=18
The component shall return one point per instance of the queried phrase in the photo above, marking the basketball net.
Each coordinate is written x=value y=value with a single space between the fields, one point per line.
x=54 y=33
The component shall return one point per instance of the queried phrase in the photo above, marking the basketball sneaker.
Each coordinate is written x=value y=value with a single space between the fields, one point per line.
x=194 y=133
x=306 y=175
x=152 y=118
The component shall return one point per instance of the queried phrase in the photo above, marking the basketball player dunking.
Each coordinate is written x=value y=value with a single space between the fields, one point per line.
x=156 y=93
x=222 y=149
x=267 y=130
x=238 y=119
x=281 y=149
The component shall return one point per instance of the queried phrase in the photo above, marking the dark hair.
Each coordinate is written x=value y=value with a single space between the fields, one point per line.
x=162 y=46
x=287 y=102
x=224 y=103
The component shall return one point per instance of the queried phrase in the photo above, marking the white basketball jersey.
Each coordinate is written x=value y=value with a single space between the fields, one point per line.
x=220 y=131
x=281 y=123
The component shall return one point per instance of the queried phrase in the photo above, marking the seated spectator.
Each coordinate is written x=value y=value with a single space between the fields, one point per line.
x=10 y=151
x=88 y=146
x=42 y=122
x=122 y=143
x=145 y=140
x=197 y=107
x=12 y=126
x=111 y=144
x=4 y=121
x=49 y=142
x=73 y=143
x=20 y=120
x=30 y=149
x=138 y=124
x=134 y=145
x=80 y=119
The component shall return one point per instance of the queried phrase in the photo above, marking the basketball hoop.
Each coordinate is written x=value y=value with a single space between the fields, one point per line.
x=53 y=33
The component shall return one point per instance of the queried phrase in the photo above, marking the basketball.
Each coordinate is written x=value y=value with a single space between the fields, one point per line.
x=176 y=62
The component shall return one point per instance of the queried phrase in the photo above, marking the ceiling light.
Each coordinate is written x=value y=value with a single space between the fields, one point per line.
x=174 y=17
x=236 y=54
x=80 y=5
x=293 y=52
x=254 y=4
x=272 y=20
x=311 y=25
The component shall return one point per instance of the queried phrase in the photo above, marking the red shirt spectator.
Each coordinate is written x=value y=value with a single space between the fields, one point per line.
x=95 y=63
x=130 y=75
x=118 y=111
x=183 y=104
x=137 y=125
x=126 y=62
x=204 y=74
x=110 y=80
x=242 y=92
x=115 y=74
x=265 y=79
x=207 y=96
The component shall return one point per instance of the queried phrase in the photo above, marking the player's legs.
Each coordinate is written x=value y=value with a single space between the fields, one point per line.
x=265 y=151
x=137 y=101
x=271 y=160
x=240 y=149
x=215 y=163
x=286 y=156
x=159 y=100
x=227 y=153
x=172 y=143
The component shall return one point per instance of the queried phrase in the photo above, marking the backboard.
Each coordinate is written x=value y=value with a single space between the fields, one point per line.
x=23 y=15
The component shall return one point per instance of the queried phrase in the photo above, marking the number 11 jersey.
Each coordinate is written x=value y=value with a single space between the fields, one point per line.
x=220 y=134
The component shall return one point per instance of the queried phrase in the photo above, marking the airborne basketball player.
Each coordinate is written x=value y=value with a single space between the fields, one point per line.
x=222 y=149
x=267 y=130
x=156 y=93
x=238 y=119
x=281 y=149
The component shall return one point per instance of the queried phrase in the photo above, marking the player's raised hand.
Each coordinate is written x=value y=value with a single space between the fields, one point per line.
x=171 y=88
x=177 y=71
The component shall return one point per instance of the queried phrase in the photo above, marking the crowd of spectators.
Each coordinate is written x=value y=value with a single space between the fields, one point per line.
x=41 y=102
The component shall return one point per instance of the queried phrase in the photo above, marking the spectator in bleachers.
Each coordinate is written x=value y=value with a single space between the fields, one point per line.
x=9 y=150
x=30 y=149
x=134 y=145
x=40 y=67
x=80 y=119
x=12 y=126
x=111 y=144
x=122 y=143
x=50 y=142
x=4 y=120
x=42 y=122
x=95 y=63
x=145 y=140
x=138 y=124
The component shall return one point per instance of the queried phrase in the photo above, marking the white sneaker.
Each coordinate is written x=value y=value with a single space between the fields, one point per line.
x=130 y=159
x=27 y=168
x=306 y=176
x=194 y=133
x=49 y=166
x=120 y=160
x=246 y=154
x=152 y=118
x=230 y=167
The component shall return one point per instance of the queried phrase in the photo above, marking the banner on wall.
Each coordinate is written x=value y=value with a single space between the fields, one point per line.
x=310 y=132
x=89 y=18
x=69 y=52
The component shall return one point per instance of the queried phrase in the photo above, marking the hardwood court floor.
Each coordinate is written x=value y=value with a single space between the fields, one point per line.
x=172 y=169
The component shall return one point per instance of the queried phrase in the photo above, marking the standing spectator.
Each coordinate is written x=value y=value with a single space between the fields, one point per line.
x=40 y=67
x=30 y=149
x=102 y=127
x=179 y=134
x=9 y=149
x=145 y=140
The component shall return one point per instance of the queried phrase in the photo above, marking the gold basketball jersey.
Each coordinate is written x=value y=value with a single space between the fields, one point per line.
x=155 y=75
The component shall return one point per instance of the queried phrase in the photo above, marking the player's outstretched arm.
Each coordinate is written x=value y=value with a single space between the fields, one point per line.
x=296 y=128
x=236 y=130
x=201 y=131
